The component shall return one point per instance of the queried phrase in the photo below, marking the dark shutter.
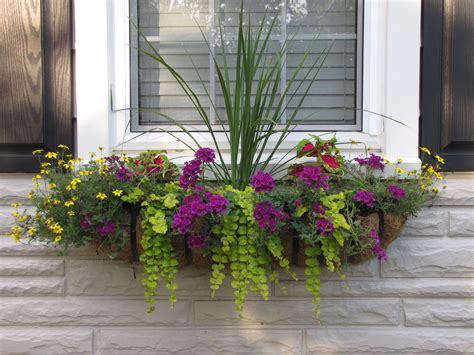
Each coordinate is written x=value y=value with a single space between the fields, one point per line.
x=447 y=83
x=35 y=80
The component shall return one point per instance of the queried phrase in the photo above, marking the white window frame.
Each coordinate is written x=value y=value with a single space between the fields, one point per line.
x=391 y=68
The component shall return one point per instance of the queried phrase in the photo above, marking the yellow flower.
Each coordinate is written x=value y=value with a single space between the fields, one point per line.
x=45 y=164
x=31 y=195
x=399 y=161
x=57 y=238
x=56 y=201
x=36 y=184
x=73 y=184
x=15 y=214
x=101 y=196
x=74 y=198
x=399 y=170
x=85 y=172
x=69 y=203
x=435 y=190
x=51 y=155
x=101 y=160
x=31 y=231
x=36 y=177
x=45 y=172
x=426 y=150
x=52 y=186
x=117 y=192
x=15 y=204
x=22 y=218
x=37 y=151
x=62 y=146
x=70 y=213
x=56 y=228
x=439 y=159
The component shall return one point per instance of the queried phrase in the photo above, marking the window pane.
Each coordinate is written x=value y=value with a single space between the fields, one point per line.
x=320 y=61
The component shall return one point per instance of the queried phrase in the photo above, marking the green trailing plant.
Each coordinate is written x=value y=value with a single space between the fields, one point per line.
x=159 y=256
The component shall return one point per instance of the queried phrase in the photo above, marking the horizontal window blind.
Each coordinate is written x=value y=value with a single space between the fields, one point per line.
x=328 y=30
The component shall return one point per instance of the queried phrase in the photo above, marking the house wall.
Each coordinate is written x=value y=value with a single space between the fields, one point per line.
x=420 y=300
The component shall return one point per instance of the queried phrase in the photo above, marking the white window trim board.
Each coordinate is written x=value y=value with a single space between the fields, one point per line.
x=390 y=81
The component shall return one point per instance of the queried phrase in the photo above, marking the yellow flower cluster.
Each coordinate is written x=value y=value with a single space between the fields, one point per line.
x=73 y=184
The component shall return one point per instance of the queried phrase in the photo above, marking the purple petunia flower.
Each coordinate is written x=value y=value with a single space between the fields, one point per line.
x=123 y=174
x=377 y=247
x=105 y=228
x=191 y=172
x=217 y=203
x=262 y=182
x=397 y=192
x=197 y=241
x=324 y=226
x=206 y=155
x=267 y=216
x=318 y=208
x=365 y=197
x=312 y=177
x=375 y=162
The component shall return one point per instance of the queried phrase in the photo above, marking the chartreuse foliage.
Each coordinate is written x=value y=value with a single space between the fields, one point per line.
x=247 y=251
x=159 y=256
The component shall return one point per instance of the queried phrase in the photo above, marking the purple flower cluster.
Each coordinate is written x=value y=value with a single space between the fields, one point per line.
x=397 y=192
x=123 y=174
x=195 y=206
x=191 y=172
x=365 y=197
x=193 y=168
x=312 y=177
x=105 y=228
x=267 y=216
x=197 y=241
x=318 y=208
x=324 y=226
x=377 y=247
x=262 y=182
x=375 y=162
x=205 y=155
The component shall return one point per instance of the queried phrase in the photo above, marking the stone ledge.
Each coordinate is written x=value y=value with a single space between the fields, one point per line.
x=461 y=223
x=198 y=341
x=40 y=286
x=15 y=188
x=429 y=222
x=428 y=257
x=393 y=340
x=285 y=312
x=61 y=312
x=9 y=247
x=459 y=190
x=16 y=266
x=45 y=341
x=384 y=288
x=439 y=313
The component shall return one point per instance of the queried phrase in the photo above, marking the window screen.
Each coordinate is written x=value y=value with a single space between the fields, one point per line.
x=328 y=30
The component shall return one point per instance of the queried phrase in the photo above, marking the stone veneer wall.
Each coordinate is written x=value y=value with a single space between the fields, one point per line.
x=420 y=300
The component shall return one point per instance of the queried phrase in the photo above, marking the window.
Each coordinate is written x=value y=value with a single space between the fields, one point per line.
x=313 y=26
